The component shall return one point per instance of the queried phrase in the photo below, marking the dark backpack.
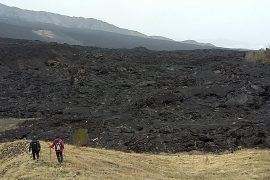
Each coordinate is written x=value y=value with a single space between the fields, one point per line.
x=35 y=145
x=58 y=145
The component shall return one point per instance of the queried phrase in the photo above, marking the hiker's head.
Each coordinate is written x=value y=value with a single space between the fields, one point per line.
x=35 y=138
x=57 y=137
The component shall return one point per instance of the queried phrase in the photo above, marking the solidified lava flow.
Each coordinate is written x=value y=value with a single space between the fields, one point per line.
x=137 y=99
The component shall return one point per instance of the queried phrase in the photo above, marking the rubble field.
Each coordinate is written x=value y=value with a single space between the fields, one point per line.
x=135 y=99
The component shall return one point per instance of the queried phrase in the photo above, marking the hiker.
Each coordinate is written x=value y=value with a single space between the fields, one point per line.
x=58 y=145
x=34 y=147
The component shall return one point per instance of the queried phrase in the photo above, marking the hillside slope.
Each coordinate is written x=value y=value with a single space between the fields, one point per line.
x=61 y=20
x=88 y=163
x=34 y=25
x=18 y=29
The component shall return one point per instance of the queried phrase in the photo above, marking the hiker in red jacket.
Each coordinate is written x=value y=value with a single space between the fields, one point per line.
x=58 y=145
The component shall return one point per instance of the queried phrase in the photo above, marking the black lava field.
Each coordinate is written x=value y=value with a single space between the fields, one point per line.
x=135 y=100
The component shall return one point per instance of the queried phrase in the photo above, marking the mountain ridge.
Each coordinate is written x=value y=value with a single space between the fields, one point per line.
x=31 y=31
x=90 y=24
x=65 y=21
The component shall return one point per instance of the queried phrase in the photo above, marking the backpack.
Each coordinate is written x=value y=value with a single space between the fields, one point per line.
x=58 y=145
x=35 y=145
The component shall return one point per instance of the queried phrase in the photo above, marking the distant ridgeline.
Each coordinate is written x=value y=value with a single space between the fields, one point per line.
x=32 y=25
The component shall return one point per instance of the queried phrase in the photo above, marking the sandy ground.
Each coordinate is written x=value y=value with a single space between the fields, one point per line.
x=11 y=123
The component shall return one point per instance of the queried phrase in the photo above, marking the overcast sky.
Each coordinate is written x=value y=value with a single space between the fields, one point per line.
x=227 y=23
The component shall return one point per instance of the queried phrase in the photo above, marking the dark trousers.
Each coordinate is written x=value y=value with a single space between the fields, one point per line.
x=59 y=155
x=35 y=153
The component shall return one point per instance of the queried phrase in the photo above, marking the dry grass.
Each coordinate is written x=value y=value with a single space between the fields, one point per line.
x=89 y=163
x=261 y=56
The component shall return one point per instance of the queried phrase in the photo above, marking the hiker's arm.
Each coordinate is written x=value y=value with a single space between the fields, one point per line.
x=53 y=143
x=62 y=144
x=30 y=147
x=38 y=146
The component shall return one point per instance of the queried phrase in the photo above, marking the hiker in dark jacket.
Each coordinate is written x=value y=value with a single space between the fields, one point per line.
x=58 y=145
x=35 y=147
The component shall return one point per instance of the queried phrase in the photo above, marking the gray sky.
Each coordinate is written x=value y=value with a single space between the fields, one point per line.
x=227 y=23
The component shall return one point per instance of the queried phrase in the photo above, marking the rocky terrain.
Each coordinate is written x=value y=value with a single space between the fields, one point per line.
x=135 y=100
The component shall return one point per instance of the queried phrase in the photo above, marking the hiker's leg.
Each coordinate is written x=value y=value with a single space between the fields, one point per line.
x=33 y=153
x=37 y=154
x=58 y=157
x=61 y=155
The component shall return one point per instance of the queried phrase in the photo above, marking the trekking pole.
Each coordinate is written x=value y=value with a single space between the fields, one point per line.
x=50 y=154
x=63 y=157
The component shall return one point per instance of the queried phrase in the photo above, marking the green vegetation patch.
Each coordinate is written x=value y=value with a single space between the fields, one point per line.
x=80 y=137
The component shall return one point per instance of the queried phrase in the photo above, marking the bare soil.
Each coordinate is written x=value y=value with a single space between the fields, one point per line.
x=11 y=123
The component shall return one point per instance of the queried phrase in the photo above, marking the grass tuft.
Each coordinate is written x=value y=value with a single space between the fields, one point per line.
x=81 y=137
x=260 y=56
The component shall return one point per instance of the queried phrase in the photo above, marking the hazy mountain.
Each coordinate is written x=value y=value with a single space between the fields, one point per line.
x=24 y=24
x=161 y=38
x=61 y=20
x=197 y=43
